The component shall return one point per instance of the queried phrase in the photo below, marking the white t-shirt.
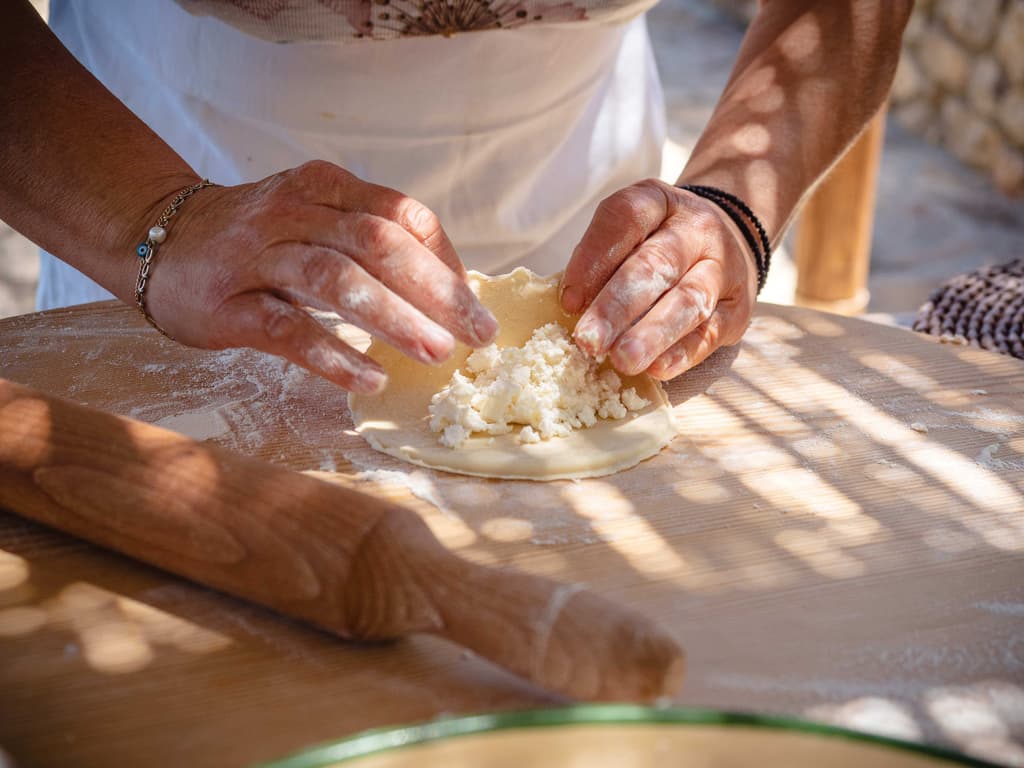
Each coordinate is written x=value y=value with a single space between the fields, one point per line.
x=511 y=137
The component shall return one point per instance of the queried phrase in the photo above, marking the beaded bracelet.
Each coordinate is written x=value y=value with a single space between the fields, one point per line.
x=744 y=218
x=146 y=250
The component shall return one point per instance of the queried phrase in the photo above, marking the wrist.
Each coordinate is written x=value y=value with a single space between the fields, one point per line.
x=745 y=221
x=754 y=184
x=155 y=236
x=117 y=267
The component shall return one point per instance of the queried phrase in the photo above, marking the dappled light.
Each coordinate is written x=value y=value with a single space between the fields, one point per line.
x=613 y=517
x=871 y=714
x=974 y=484
x=13 y=572
x=820 y=554
x=452 y=530
x=702 y=491
x=903 y=374
x=507 y=529
x=979 y=718
x=799 y=490
x=164 y=628
x=836 y=532
x=800 y=45
x=948 y=540
x=765 y=94
x=752 y=139
x=109 y=633
x=115 y=647
x=116 y=635
x=21 y=620
x=479 y=555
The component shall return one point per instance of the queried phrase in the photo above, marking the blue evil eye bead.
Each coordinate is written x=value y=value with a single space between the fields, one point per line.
x=142 y=250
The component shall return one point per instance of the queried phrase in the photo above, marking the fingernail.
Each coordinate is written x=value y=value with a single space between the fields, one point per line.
x=671 y=364
x=437 y=344
x=371 y=381
x=572 y=299
x=592 y=334
x=679 y=362
x=485 y=326
x=629 y=355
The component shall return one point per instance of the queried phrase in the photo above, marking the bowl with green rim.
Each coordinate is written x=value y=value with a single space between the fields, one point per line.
x=622 y=736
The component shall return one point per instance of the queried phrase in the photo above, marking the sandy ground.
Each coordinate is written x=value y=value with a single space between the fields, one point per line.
x=935 y=217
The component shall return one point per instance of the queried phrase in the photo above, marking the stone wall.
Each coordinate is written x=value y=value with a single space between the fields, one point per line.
x=960 y=82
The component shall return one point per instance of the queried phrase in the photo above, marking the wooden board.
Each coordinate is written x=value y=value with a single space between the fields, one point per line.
x=839 y=534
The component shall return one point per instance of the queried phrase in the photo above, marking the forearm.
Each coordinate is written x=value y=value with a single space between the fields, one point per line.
x=80 y=175
x=809 y=76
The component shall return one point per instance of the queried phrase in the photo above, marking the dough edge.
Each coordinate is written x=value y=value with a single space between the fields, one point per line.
x=395 y=422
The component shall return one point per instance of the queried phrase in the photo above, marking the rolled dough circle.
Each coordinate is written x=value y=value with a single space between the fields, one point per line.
x=396 y=421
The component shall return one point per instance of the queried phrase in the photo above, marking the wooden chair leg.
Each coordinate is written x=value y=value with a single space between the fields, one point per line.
x=833 y=239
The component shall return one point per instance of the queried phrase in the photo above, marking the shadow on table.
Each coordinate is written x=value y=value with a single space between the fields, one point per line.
x=841 y=496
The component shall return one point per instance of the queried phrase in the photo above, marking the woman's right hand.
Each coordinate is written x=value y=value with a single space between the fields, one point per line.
x=241 y=263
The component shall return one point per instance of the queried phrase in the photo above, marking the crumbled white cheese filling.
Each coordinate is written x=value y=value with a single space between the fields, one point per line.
x=548 y=386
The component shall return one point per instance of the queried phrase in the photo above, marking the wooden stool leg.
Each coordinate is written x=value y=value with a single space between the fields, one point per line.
x=833 y=241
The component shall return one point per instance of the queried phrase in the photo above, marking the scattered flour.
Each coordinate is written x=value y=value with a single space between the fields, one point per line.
x=357 y=298
x=549 y=386
x=986 y=457
x=417 y=482
x=231 y=396
x=199 y=425
x=991 y=414
x=1001 y=608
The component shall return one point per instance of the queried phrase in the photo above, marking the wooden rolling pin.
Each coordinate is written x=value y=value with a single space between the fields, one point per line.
x=356 y=565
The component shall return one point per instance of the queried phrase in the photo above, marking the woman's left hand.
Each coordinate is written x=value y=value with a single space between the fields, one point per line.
x=665 y=278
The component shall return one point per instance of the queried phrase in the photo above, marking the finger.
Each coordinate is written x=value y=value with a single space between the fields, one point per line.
x=325 y=279
x=261 y=321
x=390 y=254
x=658 y=264
x=325 y=183
x=414 y=217
x=621 y=222
x=682 y=309
x=724 y=327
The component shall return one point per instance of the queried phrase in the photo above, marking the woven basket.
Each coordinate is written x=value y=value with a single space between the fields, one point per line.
x=984 y=308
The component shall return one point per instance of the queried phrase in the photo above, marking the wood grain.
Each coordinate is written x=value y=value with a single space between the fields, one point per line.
x=837 y=534
x=362 y=567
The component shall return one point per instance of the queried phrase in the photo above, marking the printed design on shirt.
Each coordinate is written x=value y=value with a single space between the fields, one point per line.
x=387 y=19
x=264 y=10
x=406 y=18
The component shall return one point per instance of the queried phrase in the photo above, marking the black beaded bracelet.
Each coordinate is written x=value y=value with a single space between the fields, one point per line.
x=744 y=218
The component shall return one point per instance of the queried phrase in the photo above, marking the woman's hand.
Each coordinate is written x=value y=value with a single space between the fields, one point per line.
x=241 y=263
x=665 y=279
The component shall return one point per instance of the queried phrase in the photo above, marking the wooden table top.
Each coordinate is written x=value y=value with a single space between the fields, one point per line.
x=837 y=534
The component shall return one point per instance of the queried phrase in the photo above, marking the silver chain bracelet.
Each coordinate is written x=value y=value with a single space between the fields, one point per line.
x=146 y=250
